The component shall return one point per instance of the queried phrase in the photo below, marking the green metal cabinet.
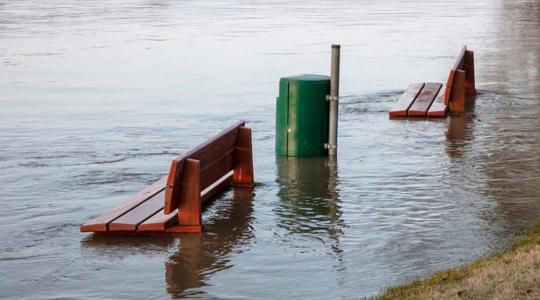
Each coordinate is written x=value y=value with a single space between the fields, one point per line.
x=302 y=116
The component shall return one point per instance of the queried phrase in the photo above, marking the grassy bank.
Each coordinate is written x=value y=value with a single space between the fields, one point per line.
x=512 y=274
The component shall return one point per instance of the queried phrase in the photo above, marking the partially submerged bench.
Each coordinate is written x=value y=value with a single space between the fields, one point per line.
x=173 y=203
x=432 y=99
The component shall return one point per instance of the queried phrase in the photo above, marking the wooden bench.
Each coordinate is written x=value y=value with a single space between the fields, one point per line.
x=173 y=203
x=432 y=99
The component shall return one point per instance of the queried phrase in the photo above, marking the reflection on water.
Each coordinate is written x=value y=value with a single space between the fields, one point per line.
x=309 y=197
x=199 y=257
x=195 y=257
x=96 y=97
x=457 y=134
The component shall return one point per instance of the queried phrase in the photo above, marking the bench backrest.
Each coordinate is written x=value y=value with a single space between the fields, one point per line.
x=203 y=166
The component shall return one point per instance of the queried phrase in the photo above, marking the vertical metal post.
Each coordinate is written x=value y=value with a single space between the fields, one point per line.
x=333 y=98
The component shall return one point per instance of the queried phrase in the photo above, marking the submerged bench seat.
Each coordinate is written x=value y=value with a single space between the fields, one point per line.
x=433 y=99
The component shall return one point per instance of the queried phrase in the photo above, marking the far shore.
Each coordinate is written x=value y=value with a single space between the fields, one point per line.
x=511 y=274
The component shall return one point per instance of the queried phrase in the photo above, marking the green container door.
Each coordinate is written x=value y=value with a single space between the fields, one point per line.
x=302 y=116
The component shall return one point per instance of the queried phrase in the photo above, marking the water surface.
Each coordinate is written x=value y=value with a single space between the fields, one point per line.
x=97 y=97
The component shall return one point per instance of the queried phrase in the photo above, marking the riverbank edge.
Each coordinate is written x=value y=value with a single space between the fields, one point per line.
x=511 y=274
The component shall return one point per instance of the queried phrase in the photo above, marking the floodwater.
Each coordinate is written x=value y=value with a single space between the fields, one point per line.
x=96 y=97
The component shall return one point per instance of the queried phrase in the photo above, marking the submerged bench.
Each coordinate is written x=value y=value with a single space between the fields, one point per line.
x=432 y=99
x=173 y=203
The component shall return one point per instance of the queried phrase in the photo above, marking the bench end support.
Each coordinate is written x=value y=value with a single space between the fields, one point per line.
x=468 y=66
x=243 y=159
x=189 y=206
x=458 y=96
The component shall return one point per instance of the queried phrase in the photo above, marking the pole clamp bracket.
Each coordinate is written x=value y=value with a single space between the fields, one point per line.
x=329 y=146
x=331 y=98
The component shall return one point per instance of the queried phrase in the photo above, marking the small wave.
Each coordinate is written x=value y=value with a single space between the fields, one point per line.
x=370 y=103
x=33 y=165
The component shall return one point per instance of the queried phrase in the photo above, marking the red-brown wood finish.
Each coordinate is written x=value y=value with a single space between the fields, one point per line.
x=189 y=204
x=406 y=100
x=130 y=220
x=449 y=85
x=101 y=222
x=206 y=153
x=438 y=108
x=457 y=100
x=173 y=204
x=217 y=187
x=161 y=221
x=217 y=169
x=468 y=67
x=422 y=103
x=243 y=159
x=171 y=193
x=459 y=84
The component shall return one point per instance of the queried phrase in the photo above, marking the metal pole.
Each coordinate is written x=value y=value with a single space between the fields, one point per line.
x=333 y=98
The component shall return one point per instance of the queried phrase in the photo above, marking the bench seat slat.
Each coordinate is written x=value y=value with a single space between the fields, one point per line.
x=130 y=220
x=438 y=108
x=159 y=221
x=101 y=222
x=422 y=103
x=406 y=100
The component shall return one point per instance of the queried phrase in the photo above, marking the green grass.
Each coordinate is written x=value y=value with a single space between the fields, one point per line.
x=511 y=274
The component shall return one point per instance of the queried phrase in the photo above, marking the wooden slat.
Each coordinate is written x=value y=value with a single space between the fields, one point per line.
x=214 y=171
x=422 y=103
x=405 y=101
x=205 y=153
x=217 y=187
x=162 y=221
x=215 y=147
x=145 y=209
x=100 y=223
x=159 y=222
x=438 y=108
x=130 y=220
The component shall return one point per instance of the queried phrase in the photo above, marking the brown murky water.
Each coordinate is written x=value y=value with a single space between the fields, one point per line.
x=97 y=96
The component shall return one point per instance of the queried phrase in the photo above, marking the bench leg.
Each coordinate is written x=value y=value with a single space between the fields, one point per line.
x=457 y=98
x=189 y=206
x=243 y=159
x=468 y=66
